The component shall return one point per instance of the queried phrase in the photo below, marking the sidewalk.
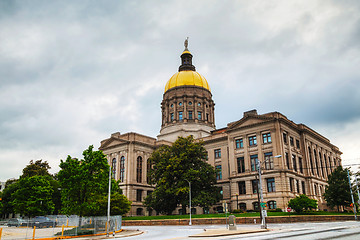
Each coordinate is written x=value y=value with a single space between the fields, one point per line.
x=124 y=233
x=226 y=232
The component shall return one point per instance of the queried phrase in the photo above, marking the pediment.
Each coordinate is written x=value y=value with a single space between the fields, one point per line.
x=111 y=142
x=248 y=121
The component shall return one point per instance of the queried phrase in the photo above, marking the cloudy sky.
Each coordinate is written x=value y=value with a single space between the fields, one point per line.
x=73 y=72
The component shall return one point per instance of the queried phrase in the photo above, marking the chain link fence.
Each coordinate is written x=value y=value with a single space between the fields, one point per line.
x=60 y=225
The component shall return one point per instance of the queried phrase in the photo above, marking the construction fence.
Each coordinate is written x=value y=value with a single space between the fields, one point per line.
x=59 y=226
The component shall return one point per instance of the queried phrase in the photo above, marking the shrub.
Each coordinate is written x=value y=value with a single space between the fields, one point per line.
x=302 y=202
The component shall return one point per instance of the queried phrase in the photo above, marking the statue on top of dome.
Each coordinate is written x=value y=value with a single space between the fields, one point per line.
x=186 y=43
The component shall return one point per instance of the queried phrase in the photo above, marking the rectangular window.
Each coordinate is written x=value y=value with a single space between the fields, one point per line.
x=303 y=187
x=254 y=162
x=218 y=172
x=266 y=138
x=207 y=117
x=285 y=138
x=291 y=182
x=180 y=116
x=252 y=141
x=239 y=143
x=301 y=165
x=287 y=160
x=297 y=186
x=242 y=188
x=138 y=195
x=315 y=189
x=199 y=115
x=291 y=141
x=255 y=185
x=269 y=161
x=190 y=115
x=297 y=143
x=270 y=184
x=171 y=116
x=217 y=153
x=241 y=164
x=294 y=162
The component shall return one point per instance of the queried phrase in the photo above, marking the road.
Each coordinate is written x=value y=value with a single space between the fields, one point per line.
x=309 y=231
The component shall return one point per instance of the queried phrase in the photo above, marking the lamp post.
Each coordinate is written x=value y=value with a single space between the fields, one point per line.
x=189 y=200
x=262 y=205
x=108 y=207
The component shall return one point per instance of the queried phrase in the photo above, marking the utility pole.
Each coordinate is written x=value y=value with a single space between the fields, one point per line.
x=262 y=209
x=357 y=188
x=352 y=197
x=189 y=201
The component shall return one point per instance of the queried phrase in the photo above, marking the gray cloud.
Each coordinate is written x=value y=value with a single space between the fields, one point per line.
x=74 y=72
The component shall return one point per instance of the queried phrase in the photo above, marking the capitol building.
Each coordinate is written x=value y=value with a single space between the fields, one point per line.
x=295 y=158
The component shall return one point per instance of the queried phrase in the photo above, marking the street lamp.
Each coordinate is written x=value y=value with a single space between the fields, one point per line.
x=189 y=200
x=108 y=207
x=262 y=204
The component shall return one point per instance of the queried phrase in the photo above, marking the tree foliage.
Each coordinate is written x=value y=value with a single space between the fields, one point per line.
x=84 y=183
x=172 y=168
x=37 y=168
x=337 y=193
x=119 y=205
x=34 y=196
x=8 y=196
x=302 y=202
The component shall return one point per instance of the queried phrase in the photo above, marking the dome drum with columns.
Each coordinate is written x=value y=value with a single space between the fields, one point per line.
x=187 y=106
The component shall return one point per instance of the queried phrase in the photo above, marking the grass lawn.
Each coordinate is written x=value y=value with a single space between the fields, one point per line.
x=219 y=215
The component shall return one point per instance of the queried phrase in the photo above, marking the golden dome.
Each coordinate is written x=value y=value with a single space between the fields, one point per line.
x=187 y=78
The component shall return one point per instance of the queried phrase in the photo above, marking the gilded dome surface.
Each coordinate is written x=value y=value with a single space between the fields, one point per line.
x=187 y=78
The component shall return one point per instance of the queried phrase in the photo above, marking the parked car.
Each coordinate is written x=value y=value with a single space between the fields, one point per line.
x=16 y=222
x=41 y=221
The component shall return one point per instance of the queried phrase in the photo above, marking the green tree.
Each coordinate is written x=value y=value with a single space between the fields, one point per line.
x=41 y=168
x=337 y=193
x=34 y=196
x=8 y=196
x=84 y=183
x=37 y=168
x=119 y=205
x=172 y=168
x=302 y=202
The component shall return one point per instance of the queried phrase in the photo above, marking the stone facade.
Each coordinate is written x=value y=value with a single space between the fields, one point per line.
x=295 y=159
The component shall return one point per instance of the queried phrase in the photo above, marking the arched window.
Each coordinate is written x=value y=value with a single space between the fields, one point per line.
x=139 y=169
x=122 y=169
x=139 y=211
x=271 y=204
x=256 y=206
x=148 y=168
x=242 y=206
x=113 y=168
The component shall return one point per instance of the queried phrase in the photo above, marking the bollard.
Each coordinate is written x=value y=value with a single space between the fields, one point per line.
x=62 y=230
x=34 y=233
x=67 y=222
x=106 y=226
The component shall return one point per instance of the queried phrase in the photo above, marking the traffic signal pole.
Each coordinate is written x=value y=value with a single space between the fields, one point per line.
x=352 y=197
